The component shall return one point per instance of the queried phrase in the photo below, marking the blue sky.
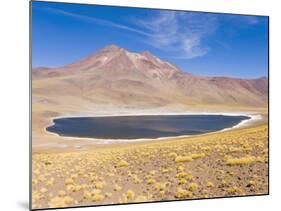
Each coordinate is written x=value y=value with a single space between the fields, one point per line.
x=199 y=43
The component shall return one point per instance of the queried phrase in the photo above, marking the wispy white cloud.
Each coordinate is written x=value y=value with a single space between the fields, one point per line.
x=96 y=20
x=180 y=32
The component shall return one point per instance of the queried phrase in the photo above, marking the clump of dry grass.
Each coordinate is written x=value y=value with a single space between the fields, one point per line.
x=151 y=181
x=172 y=154
x=182 y=193
x=160 y=186
x=69 y=181
x=181 y=168
x=123 y=163
x=210 y=184
x=182 y=181
x=136 y=179
x=243 y=160
x=127 y=197
x=99 y=184
x=60 y=201
x=198 y=155
x=97 y=197
x=184 y=175
x=192 y=187
x=181 y=175
x=165 y=170
x=87 y=195
x=183 y=159
x=234 y=190
x=75 y=188
x=130 y=194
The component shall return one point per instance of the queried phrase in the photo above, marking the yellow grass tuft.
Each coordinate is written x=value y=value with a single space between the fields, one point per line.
x=151 y=181
x=136 y=180
x=87 y=195
x=99 y=185
x=69 y=181
x=198 y=155
x=97 y=197
x=192 y=187
x=123 y=163
x=130 y=194
x=60 y=201
x=172 y=154
x=181 y=194
x=181 y=168
x=183 y=159
x=68 y=200
x=181 y=175
x=242 y=161
x=210 y=184
x=165 y=170
x=234 y=190
x=76 y=188
x=160 y=186
x=182 y=181
x=189 y=177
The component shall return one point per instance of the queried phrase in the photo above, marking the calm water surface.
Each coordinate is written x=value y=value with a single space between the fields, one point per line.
x=136 y=127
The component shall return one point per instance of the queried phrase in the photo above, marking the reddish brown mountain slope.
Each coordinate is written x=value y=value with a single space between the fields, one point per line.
x=116 y=77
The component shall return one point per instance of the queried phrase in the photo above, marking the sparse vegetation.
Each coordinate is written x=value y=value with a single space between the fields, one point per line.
x=243 y=160
x=229 y=163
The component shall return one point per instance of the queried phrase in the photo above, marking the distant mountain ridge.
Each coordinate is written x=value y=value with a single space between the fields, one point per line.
x=116 y=76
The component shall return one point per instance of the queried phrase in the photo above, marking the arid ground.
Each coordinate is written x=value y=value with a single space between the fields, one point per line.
x=221 y=164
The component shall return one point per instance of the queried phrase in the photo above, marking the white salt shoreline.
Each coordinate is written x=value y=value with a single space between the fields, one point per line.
x=243 y=123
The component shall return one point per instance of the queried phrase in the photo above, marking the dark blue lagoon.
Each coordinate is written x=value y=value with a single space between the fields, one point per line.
x=137 y=127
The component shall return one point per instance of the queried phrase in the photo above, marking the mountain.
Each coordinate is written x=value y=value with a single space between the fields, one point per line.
x=114 y=78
